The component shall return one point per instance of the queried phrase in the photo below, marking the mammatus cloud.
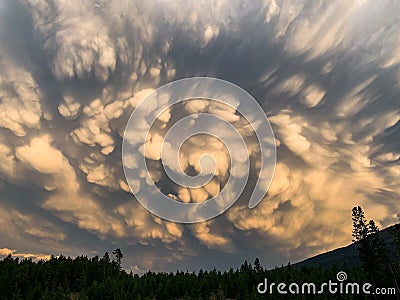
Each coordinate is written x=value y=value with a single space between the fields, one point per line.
x=325 y=72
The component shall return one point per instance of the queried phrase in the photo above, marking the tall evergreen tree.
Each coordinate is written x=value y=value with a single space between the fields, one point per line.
x=118 y=254
x=372 y=249
x=360 y=227
x=257 y=266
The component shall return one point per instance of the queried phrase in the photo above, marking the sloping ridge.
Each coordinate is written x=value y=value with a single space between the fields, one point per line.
x=348 y=256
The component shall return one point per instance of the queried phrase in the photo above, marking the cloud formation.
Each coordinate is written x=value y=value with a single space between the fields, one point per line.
x=14 y=253
x=326 y=73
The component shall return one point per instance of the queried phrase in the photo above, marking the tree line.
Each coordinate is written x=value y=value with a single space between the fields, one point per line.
x=103 y=277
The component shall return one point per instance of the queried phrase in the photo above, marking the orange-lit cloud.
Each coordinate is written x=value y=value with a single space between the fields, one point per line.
x=325 y=72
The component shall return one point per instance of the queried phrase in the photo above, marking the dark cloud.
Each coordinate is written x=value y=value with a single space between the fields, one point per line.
x=325 y=72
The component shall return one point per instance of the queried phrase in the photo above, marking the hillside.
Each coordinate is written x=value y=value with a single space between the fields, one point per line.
x=347 y=256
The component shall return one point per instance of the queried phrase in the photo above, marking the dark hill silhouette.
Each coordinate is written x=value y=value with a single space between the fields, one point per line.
x=348 y=256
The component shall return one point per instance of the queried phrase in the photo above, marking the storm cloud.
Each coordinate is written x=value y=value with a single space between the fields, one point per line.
x=327 y=74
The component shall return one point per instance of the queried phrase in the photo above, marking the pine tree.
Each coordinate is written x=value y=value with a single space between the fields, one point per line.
x=360 y=227
x=118 y=254
x=372 y=228
x=257 y=265
x=371 y=247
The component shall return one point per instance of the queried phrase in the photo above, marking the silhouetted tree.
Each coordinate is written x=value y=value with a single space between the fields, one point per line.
x=257 y=265
x=118 y=254
x=372 y=249
x=360 y=227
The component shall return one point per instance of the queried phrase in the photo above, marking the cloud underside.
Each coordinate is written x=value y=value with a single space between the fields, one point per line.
x=325 y=72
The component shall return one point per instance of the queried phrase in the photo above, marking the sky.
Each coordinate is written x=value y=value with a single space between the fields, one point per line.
x=326 y=73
